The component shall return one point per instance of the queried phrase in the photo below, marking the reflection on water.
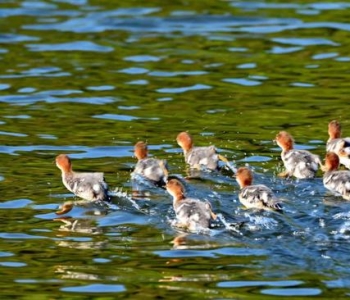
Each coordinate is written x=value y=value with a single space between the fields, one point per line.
x=91 y=78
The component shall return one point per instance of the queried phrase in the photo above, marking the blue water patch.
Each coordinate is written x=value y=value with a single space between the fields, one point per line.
x=12 y=264
x=311 y=41
x=101 y=88
x=13 y=204
x=20 y=236
x=325 y=55
x=242 y=81
x=236 y=284
x=142 y=58
x=5 y=254
x=4 y=86
x=133 y=70
x=293 y=292
x=138 y=82
x=95 y=288
x=72 y=46
x=212 y=253
x=184 y=89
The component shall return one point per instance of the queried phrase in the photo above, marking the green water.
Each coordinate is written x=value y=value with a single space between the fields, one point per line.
x=90 y=78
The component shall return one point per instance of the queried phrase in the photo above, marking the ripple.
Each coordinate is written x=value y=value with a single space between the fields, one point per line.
x=72 y=46
x=325 y=55
x=122 y=117
x=12 y=264
x=4 y=86
x=133 y=70
x=16 y=38
x=95 y=288
x=184 y=89
x=138 y=82
x=142 y=58
x=302 y=84
x=237 y=49
x=305 y=41
x=18 y=117
x=247 y=66
x=14 y=204
x=19 y=236
x=101 y=88
x=293 y=292
x=5 y=254
x=16 y=134
x=212 y=253
x=284 y=50
x=184 y=24
x=242 y=81
x=177 y=73
x=237 y=284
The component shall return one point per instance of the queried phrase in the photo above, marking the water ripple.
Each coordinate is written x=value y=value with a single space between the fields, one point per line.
x=71 y=46
x=184 y=89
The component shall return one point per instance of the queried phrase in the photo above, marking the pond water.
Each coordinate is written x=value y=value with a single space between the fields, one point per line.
x=90 y=78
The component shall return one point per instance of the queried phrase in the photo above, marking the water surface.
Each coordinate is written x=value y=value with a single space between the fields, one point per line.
x=90 y=78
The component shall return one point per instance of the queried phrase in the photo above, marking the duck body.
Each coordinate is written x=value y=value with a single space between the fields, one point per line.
x=152 y=169
x=89 y=186
x=198 y=157
x=255 y=196
x=202 y=157
x=299 y=163
x=192 y=214
x=338 y=182
x=259 y=196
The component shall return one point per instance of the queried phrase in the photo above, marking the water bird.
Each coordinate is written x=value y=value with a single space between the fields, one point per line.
x=298 y=163
x=255 y=196
x=338 y=182
x=89 y=186
x=192 y=214
x=154 y=170
x=200 y=157
x=337 y=144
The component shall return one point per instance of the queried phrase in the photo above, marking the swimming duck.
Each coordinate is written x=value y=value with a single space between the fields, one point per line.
x=198 y=157
x=155 y=170
x=337 y=144
x=192 y=214
x=298 y=163
x=89 y=186
x=336 y=181
x=255 y=196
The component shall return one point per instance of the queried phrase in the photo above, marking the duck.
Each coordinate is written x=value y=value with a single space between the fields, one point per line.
x=154 y=170
x=338 y=182
x=298 y=163
x=88 y=186
x=256 y=196
x=200 y=157
x=192 y=214
x=337 y=144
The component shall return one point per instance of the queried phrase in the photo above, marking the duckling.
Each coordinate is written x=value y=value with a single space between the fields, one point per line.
x=200 y=157
x=337 y=144
x=298 y=163
x=255 y=196
x=336 y=181
x=89 y=186
x=155 y=170
x=192 y=214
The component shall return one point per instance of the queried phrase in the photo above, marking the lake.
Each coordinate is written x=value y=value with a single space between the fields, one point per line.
x=91 y=78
